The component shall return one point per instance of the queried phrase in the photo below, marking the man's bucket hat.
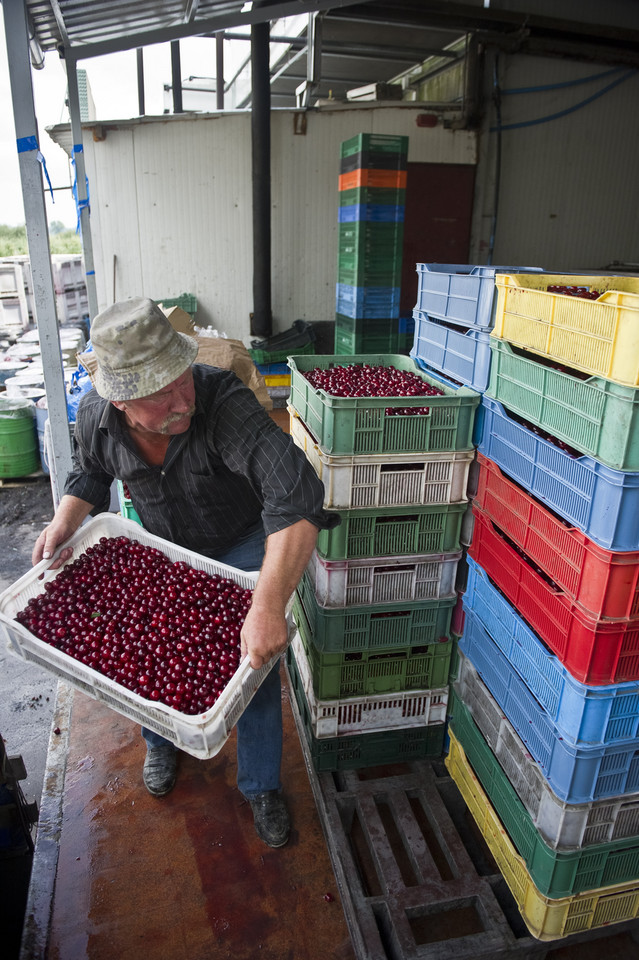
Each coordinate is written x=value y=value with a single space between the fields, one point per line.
x=137 y=350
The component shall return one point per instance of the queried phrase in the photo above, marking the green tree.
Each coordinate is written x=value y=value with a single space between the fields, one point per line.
x=13 y=240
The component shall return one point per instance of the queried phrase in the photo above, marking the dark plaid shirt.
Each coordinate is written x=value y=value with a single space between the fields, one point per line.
x=232 y=466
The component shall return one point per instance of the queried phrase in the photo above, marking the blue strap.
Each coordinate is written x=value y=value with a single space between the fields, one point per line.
x=80 y=205
x=25 y=145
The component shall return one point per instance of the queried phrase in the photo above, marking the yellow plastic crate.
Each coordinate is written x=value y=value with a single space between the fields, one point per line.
x=599 y=337
x=546 y=919
x=277 y=380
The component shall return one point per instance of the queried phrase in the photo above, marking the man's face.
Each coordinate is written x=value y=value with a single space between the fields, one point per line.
x=166 y=412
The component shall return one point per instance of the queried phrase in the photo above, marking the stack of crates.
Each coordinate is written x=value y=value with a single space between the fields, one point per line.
x=453 y=317
x=69 y=281
x=544 y=712
x=370 y=663
x=14 y=313
x=372 y=200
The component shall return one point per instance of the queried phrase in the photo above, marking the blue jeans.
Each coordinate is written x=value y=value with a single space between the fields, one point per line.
x=259 y=729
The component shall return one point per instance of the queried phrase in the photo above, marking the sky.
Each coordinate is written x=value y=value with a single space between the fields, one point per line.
x=113 y=85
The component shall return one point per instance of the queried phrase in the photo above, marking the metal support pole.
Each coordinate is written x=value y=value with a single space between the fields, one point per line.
x=219 y=70
x=262 y=320
x=81 y=185
x=29 y=156
x=140 y=64
x=176 y=76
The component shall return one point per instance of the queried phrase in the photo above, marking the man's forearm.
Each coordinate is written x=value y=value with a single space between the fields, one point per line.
x=286 y=557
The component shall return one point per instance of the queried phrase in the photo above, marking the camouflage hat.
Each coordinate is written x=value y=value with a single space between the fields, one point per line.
x=137 y=350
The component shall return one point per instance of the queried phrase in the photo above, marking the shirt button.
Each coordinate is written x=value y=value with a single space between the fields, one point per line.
x=163 y=473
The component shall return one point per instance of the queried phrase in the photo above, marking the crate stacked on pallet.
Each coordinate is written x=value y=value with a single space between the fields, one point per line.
x=69 y=281
x=372 y=199
x=370 y=664
x=14 y=313
x=544 y=713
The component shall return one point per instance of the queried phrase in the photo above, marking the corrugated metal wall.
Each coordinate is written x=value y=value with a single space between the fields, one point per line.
x=569 y=188
x=171 y=202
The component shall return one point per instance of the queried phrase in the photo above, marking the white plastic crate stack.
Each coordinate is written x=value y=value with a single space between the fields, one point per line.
x=14 y=314
x=69 y=281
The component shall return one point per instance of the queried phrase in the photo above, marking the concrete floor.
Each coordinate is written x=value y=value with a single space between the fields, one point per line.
x=184 y=877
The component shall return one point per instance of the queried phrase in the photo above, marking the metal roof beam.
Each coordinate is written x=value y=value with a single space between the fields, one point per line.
x=143 y=37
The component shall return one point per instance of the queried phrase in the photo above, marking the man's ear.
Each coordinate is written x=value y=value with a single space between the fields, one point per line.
x=119 y=404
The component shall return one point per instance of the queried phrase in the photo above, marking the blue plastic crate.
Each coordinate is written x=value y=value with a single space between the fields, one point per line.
x=372 y=213
x=576 y=773
x=461 y=293
x=602 y=502
x=463 y=354
x=582 y=713
x=367 y=301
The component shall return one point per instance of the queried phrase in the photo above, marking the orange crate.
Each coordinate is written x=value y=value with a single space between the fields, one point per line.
x=365 y=177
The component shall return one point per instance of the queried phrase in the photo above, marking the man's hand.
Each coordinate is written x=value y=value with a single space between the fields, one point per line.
x=264 y=636
x=68 y=517
x=265 y=631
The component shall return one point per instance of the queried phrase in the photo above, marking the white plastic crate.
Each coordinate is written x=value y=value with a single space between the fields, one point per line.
x=381 y=480
x=349 y=583
x=371 y=714
x=72 y=305
x=562 y=825
x=202 y=735
x=68 y=272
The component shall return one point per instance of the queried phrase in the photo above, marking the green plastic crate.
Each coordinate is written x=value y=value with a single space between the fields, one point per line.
x=381 y=142
x=384 y=196
x=364 y=335
x=374 y=242
x=185 y=301
x=393 y=532
x=364 y=750
x=555 y=873
x=596 y=416
x=280 y=356
x=357 y=425
x=408 y=623
x=361 y=272
x=373 y=671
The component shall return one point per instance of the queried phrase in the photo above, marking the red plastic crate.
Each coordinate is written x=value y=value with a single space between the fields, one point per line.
x=604 y=583
x=593 y=651
x=370 y=177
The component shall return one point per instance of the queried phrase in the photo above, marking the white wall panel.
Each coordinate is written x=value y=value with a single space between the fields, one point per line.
x=172 y=201
x=569 y=190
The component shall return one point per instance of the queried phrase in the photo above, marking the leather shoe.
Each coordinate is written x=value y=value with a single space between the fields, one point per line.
x=271 y=818
x=159 y=771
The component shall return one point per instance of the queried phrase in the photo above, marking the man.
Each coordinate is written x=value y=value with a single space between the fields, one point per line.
x=206 y=468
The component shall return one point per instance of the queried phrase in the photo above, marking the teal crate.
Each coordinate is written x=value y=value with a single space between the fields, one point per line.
x=555 y=873
x=379 y=142
x=393 y=532
x=409 y=623
x=358 y=425
x=127 y=509
x=595 y=416
x=371 y=671
x=377 y=242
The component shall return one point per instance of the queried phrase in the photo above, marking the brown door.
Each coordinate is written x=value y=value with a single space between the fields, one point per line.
x=439 y=206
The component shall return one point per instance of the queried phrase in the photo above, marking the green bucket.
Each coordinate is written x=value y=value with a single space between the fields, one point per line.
x=19 y=453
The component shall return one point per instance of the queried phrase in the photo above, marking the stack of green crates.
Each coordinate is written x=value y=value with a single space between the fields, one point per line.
x=370 y=662
x=372 y=198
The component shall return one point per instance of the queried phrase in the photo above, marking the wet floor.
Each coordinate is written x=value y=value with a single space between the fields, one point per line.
x=185 y=877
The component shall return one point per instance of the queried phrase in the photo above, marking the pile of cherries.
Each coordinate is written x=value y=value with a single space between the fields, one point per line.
x=571 y=291
x=368 y=380
x=162 y=629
